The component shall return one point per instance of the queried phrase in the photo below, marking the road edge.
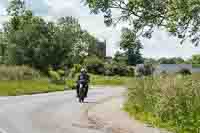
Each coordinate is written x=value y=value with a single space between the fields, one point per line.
x=2 y=131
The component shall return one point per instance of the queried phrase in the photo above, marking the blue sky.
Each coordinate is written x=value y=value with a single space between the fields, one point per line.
x=161 y=45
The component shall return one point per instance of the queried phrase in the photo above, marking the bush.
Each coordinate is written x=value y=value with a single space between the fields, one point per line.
x=18 y=73
x=77 y=68
x=54 y=75
x=184 y=71
x=74 y=70
x=144 y=70
x=71 y=84
x=170 y=102
x=61 y=72
x=57 y=77
x=118 y=69
x=131 y=71
x=108 y=70
x=94 y=65
x=72 y=73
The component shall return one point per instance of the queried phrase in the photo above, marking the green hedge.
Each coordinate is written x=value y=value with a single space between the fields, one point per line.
x=95 y=65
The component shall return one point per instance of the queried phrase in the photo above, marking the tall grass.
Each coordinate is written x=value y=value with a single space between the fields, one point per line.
x=18 y=73
x=19 y=80
x=196 y=76
x=168 y=102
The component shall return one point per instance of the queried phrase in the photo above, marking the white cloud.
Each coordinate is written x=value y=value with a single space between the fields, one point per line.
x=66 y=8
x=2 y=11
x=3 y=19
x=95 y=25
x=3 y=4
x=163 y=45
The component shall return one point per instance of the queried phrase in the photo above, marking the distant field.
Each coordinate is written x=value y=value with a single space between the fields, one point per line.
x=196 y=65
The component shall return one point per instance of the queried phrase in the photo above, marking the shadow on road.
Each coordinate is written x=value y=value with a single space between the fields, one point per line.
x=90 y=102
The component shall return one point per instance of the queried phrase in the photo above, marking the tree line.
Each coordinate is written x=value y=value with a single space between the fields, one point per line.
x=122 y=58
x=196 y=59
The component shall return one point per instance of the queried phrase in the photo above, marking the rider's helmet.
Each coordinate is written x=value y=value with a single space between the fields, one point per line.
x=83 y=70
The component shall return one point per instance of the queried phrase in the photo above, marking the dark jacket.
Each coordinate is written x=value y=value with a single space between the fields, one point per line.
x=85 y=77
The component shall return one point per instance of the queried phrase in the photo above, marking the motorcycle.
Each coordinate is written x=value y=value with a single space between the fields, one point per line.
x=82 y=90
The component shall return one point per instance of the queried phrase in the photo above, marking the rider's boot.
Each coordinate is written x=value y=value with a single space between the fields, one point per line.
x=77 y=91
x=86 y=91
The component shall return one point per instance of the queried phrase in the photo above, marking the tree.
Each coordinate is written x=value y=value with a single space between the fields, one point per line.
x=120 y=58
x=188 y=61
x=179 y=60
x=91 y=41
x=179 y=17
x=196 y=59
x=35 y=42
x=175 y=60
x=3 y=47
x=166 y=61
x=16 y=7
x=150 y=61
x=132 y=46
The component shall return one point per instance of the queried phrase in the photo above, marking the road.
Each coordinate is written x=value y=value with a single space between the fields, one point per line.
x=57 y=112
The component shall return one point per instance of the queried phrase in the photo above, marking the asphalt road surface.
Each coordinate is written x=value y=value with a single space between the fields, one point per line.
x=58 y=112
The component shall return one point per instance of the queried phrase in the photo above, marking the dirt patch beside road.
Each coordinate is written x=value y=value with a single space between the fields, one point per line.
x=108 y=116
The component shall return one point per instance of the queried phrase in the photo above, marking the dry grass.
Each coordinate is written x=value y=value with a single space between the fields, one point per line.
x=18 y=73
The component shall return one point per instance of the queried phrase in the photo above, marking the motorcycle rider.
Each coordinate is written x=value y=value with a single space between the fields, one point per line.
x=83 y=77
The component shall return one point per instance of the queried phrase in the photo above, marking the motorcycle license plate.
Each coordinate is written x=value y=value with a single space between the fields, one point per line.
x=81 y=85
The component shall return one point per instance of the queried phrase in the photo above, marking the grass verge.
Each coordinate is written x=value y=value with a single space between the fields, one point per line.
x=101 y=80
x=22 y=87
x=109 y=80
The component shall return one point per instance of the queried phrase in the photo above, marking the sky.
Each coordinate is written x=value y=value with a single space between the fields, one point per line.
x=160 y=45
